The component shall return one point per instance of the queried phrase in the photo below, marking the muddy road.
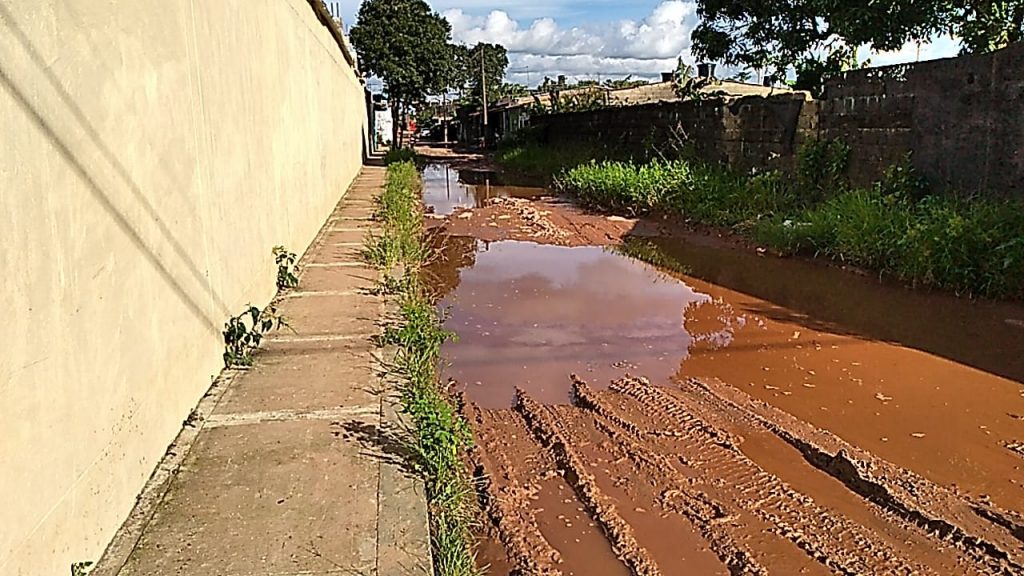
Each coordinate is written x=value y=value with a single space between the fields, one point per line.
x=721 y=412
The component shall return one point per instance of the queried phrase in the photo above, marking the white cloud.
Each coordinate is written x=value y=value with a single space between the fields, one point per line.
x=938 y=47
x=643 y=48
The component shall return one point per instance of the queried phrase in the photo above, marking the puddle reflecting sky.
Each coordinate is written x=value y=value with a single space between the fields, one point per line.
x=444 y=190
x=528 y=315
x=921 y=379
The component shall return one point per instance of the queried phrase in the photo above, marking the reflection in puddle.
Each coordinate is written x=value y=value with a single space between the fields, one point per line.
x=529 y=315
x=924 y=380
x=445 y=189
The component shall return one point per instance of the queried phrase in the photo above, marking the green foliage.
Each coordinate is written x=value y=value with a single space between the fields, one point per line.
x=80 y=568
x=399 y=154
x=782 y=34
x=406 y=44
x=285 y=261
x=523 y=156
x=624 y=83
x=991 y=24
x=399 y=210
x=440 y=434
x=625 y=186
x=495 y=62
x=243 y=334
x=973 y=246
x=902 y=180
x=686 y=84
x=821 y=168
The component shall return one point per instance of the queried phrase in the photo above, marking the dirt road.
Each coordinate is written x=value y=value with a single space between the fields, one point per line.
x=637 y=420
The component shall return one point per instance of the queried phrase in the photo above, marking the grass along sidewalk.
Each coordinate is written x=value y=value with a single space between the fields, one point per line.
x=440 y=434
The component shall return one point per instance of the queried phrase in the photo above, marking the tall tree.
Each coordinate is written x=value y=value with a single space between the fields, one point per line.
x=818 y=37
x=494 y=62
x=406 y=44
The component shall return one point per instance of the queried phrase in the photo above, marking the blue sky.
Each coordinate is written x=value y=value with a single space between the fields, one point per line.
x=596 y=39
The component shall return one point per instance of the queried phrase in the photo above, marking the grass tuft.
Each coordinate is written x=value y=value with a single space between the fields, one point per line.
x=399 y=155
x=440 y=434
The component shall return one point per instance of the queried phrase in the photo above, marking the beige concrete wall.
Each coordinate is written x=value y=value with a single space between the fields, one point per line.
x=152 y=152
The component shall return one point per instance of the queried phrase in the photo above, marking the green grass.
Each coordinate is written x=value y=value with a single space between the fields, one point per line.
x=969 y=246
x=440 y=434
x=399 y=155
x=532 y=159
x=399 y=211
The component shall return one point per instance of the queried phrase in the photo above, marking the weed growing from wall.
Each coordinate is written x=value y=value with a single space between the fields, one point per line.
x=245 y=332
x=285 y=261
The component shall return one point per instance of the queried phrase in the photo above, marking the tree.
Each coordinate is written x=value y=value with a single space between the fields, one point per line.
x=511 y=90
x=495 y=62
x=819 y=37
x=406 y=44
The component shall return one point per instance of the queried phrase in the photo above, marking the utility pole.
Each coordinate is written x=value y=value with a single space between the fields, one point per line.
x=483 y=92
x=444 y=112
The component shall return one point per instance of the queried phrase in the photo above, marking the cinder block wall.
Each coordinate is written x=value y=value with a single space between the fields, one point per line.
x=962 y=119
x=152 y=154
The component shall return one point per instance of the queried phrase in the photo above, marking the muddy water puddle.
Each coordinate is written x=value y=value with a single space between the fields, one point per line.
x=446 y=189
x=529 y=315
x=924 y=390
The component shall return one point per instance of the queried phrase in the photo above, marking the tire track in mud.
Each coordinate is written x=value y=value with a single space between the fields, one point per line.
x=619 y=532
x=505 y=506
x=833 y=541
x=683 y=452
x=992 y=537
x=710 y=517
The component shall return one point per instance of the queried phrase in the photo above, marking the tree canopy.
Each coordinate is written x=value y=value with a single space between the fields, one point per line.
x=467 y=63
x=406 y=44
x=816 y=36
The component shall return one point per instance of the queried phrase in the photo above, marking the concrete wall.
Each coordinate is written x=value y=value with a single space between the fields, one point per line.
x=962 y=119
x=152 y=154
x=748 y=132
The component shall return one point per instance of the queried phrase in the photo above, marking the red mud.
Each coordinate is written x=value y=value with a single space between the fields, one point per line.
x=766 y=441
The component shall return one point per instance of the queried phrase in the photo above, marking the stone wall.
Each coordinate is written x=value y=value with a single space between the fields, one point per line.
x=962 y=120
x=152 y=154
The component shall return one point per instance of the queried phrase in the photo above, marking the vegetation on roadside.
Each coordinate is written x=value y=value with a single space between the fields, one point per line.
x=972 y=246
x=523 y=155
x=440 y=434
x=813 y=39
x=399 y=154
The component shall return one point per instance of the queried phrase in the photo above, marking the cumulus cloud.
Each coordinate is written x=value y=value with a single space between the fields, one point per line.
x=643 y=48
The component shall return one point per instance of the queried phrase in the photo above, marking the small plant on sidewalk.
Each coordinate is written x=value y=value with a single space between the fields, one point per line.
x=285 y=261
x=81 y=568
x=243 y=334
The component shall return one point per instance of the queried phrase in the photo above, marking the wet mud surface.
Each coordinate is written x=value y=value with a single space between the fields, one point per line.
x=751 y=416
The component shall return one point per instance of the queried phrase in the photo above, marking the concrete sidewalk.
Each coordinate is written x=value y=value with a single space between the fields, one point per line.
x=292 y=467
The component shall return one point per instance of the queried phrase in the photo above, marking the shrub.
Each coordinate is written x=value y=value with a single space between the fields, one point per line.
x=399 y=155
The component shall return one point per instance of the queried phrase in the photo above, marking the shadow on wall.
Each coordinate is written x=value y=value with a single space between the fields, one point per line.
x=98 y=192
